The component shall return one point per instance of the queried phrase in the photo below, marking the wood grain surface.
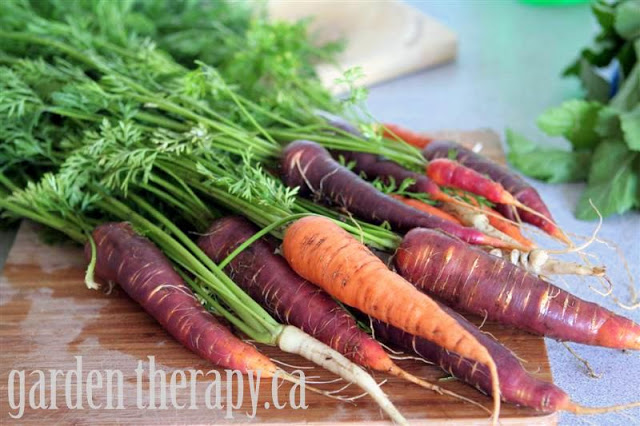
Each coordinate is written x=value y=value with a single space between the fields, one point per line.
x=48 y=318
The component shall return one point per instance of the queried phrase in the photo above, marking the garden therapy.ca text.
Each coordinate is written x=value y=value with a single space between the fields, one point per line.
x=155 y=389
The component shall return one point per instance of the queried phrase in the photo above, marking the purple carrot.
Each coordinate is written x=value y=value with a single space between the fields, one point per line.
x=147 y=276
x=339 y=123
x=374 y=166
x=517 y=386
x=268 y=279
x=469 y=279
x=309 y=166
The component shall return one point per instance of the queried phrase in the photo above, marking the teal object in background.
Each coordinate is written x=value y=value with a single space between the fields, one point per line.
x=554 y=2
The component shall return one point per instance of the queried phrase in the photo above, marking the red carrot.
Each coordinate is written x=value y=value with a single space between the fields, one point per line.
x=468 y=279
x=452 y=174
x=147 y=276
x=309 y=166
x=270 y=281
x=517 y=386
x=513 y=183
x=393 y=131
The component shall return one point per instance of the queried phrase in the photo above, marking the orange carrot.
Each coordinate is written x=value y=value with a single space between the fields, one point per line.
x=393 y=131
x=428 y=208
x=499 y=222
x=326 y=255
x=270 y=281
x=450 y=173
x=503 y=225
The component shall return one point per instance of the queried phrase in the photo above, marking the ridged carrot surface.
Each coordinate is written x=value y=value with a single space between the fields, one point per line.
x=471 y=280
x=309 y=166
x=269 y=280
x=148 y=277
x=323 y=253
x=510 y=180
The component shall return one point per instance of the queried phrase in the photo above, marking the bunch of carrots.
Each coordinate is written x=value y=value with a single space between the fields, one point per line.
x=128 y=150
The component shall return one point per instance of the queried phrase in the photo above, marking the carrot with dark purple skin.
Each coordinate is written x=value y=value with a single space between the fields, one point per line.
x=517 y=386
x=144 y=272
x=147 y=276
x=117 y=254
x=374 y=166
x=516 y=185
x=270 y=281
x=328 y=256
x=309 y=166
x=471 y=280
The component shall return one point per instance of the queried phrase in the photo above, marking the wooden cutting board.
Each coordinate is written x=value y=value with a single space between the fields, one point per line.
x=48 y=317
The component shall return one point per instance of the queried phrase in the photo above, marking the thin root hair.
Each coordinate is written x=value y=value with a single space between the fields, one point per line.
x=588 y=242
x=590 y=371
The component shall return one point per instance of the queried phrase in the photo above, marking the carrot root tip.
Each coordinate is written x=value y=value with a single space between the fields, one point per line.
x=574 y=408
x=560 y=236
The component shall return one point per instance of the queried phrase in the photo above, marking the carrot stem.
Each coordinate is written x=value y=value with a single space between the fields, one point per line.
x=264 y=231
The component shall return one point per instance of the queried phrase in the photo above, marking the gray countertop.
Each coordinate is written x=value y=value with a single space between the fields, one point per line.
x=507 y=72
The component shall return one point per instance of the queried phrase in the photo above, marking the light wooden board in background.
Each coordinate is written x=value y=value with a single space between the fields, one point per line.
x=386 y=38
